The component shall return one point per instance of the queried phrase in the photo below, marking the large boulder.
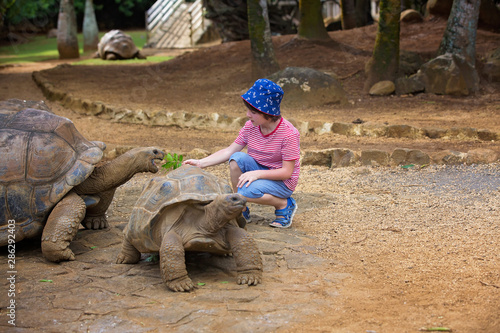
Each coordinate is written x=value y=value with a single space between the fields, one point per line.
x=306 y=87
x=449 y=74
x=409 y=85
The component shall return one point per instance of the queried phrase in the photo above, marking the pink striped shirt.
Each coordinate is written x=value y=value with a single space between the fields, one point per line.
x=283 y=144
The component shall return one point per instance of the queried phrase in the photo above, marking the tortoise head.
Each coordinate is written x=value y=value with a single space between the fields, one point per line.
x=232 y=204
x=223 y=209
x=143 y=159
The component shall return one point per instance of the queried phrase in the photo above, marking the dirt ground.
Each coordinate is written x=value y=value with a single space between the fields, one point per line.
x=402 y=250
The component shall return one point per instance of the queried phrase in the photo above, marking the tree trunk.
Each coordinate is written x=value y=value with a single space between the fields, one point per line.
x=348 y=16
x=363 y=13
x=67 y=42
x=460 y=35
x=311 y=21
x=90 y=29
x=264 y=60
x=384 y=63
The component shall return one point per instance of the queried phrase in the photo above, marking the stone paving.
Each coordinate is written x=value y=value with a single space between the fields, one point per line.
x=299 y=288
x=93 y=294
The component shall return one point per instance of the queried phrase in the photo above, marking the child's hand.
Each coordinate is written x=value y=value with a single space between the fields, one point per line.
x=194 y=162
x=247 y=178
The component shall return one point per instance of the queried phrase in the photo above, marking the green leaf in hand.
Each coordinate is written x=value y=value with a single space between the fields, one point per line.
x=172 y=161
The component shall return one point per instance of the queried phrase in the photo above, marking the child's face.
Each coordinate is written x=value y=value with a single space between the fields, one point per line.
x=256 y=118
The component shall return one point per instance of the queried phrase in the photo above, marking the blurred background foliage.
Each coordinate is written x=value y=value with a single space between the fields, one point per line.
x=41 y=15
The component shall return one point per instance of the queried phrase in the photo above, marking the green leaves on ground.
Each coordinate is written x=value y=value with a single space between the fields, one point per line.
x=408 y=166
x=153 y=258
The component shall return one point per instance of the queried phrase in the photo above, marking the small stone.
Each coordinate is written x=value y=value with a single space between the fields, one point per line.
x=383 y=88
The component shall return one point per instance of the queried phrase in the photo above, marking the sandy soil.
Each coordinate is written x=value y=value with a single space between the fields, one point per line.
x=419 y=247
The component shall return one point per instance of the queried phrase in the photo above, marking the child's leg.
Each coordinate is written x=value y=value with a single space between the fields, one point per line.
x=263 y=191
x=267 y=192
x=235 y=173
x=269 y=200
x=240 y=163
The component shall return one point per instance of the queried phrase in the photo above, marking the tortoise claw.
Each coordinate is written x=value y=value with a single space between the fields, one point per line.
x=95 y=222
x=182 y=284
x=250 y=278
x=52 y=252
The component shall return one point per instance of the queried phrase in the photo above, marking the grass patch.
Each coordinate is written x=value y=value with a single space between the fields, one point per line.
x=41 y=48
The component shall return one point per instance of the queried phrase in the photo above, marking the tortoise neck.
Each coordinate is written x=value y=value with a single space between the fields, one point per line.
x=112 y=174
x=215 y=219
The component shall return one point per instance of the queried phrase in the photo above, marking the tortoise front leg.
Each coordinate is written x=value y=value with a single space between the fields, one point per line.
x=129 y=254
x=61 y=227
x=246 y=255
x=173 y=264
x=96 y=215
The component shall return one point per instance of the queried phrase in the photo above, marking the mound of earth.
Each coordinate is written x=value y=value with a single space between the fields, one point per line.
x=210 y=79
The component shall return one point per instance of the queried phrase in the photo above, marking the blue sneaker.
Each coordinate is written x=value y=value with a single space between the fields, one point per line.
x=285 y=215
x=246 y=215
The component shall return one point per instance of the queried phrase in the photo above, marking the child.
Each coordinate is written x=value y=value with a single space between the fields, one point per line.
x=268 y=173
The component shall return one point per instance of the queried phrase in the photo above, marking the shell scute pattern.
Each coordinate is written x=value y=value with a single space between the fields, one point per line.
x=13 y=163
x=19 y=195
x=188 y=184
x=43 y=158
x=50 y=157
x=32 y=120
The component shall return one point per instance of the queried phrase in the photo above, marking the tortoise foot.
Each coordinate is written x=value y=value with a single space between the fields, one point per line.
x=181 y=284
x=53 y=252
x=129 y=254
x=126 y=258
x=251 y=278
x=95 y=222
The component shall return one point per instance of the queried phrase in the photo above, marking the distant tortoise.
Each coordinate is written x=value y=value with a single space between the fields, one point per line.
x=49 y=180
x=116 y=45
x=189 y=210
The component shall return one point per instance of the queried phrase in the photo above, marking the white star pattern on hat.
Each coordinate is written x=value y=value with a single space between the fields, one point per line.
x=265 y=96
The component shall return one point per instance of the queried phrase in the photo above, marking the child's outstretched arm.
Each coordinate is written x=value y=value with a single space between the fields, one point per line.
x=216 y=158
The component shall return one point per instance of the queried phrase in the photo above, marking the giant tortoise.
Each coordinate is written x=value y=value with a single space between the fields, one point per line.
x=115 y=45
x=189 y=210
x=50 y=179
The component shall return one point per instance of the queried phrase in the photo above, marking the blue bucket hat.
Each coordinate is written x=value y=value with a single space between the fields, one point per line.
x=265 y=96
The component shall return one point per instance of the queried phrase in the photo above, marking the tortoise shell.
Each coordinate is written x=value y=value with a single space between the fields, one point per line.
x=43 y=158
x=118 y=43
x=185 y=184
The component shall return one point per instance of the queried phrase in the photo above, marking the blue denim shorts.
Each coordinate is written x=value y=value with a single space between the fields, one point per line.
x=259 y=187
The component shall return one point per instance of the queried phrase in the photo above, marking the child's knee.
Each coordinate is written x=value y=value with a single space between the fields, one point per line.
x=252 y=192
x=233 y=166
x=237 y=156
